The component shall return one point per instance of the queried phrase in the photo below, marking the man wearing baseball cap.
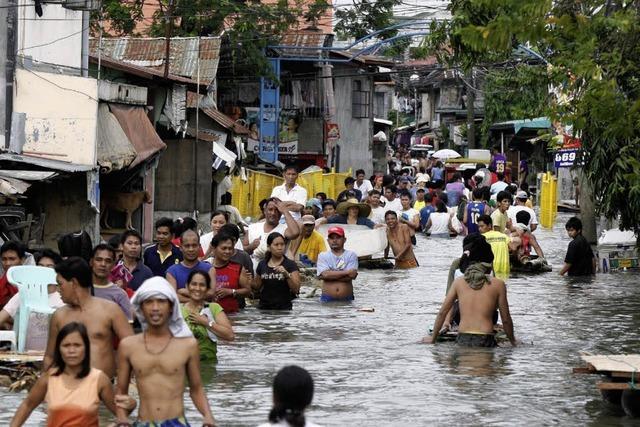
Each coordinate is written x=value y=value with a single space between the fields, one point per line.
x=521 y=201
x=337 y=268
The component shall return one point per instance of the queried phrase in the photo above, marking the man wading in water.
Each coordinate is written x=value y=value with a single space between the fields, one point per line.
x=337 y=268
x=478 y=296
x=103 y=319
x=399 y=238
x=161 y=357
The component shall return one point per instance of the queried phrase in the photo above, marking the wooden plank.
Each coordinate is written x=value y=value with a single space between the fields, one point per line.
x=618 y=374
x=584 y=370
x=22 y=357
x=615 y=362
x=612 y=386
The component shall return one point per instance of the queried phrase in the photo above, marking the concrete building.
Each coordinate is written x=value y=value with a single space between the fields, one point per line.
x=181 y=179
x=49 y=160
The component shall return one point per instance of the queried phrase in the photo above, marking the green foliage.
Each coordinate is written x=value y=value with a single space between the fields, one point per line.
x=519 y=92
x=593 y=47
x=121 y=16
x=365 y=17
x=250 y=25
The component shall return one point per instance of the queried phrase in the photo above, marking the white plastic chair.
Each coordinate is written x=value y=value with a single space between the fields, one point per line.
x=32 y=282
x=9 y=336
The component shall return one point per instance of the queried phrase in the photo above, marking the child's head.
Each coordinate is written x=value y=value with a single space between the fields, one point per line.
x=72 y=349
x=573 y=226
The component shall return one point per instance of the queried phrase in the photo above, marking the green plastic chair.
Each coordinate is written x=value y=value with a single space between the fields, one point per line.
x=32 y=282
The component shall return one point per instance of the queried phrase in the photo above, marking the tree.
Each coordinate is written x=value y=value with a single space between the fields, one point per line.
x=593 y=47
x=250 y=26
x=518 y=91
x=365 y=17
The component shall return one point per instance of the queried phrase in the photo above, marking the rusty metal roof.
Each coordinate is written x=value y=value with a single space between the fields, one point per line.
x=291 y=43
x=147 y=73
x=216 y=115
x=150 y=53
x=364 y=59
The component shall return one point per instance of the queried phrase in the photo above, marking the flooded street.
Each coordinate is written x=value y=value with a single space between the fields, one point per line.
x=369 y=369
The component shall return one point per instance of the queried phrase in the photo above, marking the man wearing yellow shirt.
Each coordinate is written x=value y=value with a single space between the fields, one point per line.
x=499 y=217
x=499 y=246
x=419 y=203
x=311 y=243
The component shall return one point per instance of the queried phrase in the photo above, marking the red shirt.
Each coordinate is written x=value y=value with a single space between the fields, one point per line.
x=7 y=290
x=228 y=277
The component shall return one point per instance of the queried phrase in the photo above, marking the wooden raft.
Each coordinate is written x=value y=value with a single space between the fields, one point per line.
x=620 y=369
x=19 y=371
x=29 y=357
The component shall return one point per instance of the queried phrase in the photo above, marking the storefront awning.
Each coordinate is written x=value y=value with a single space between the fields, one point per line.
x=115 y=152
x=139 y=130
x=16 y=182
x=57 y=165
x=521 y=125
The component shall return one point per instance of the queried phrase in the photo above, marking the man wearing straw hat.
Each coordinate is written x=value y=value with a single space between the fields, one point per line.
x=353 y=212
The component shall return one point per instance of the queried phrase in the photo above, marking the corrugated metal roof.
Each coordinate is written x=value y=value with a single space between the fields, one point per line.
x=150 y=53
x=304 y=39
x=45 y=163
x=139 y=130
x=364 y=59
x=218 y=116
x=147 y=73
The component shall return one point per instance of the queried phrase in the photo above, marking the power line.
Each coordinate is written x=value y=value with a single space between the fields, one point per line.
x=60 y=87
x=54 y=41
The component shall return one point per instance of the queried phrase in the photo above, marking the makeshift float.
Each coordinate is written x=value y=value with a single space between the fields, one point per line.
x=19 y=371
x=535 y=265
x=369 y=244
x=452 y=335
x=621 y=374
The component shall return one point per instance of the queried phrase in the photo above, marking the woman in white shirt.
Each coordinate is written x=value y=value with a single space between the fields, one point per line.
x=218 y=219
x=439 y=223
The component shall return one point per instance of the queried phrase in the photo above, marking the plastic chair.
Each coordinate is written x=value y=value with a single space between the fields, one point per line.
x=32 y=282
x=9 y=336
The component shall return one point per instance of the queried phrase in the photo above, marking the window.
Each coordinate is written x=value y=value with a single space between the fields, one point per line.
x=360 y=101
x=378 y=106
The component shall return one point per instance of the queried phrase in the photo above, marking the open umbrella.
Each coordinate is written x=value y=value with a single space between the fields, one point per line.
x=446 y=154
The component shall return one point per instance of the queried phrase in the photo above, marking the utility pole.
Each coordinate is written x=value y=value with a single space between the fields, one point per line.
x=471 y=99
x=167 y=35
x=8 y=42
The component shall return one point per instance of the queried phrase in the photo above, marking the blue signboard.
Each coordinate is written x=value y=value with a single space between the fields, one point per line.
x=565 y=158
x=269 y=114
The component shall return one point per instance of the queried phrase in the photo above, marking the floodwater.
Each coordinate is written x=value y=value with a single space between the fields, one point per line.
x=369 y=368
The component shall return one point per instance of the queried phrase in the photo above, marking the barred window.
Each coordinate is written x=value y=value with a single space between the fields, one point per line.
x=360 y=101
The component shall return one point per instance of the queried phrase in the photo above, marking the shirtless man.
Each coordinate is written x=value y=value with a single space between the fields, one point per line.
x=337 y=268
x=161 y=358
x=399 y=238
x=104 y=319
x=478 y=296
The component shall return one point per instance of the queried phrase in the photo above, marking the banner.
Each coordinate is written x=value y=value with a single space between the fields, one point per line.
x=332 y=133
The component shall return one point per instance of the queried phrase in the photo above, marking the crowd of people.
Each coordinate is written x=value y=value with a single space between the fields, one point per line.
x=157 y=313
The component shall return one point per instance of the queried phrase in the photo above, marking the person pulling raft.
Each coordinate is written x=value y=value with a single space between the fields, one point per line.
x=478 y=295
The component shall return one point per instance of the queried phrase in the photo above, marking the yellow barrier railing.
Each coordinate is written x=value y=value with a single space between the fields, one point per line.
x=548 y=200
x=247 y=194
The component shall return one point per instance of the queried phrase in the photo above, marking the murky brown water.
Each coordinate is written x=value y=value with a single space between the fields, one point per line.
x=370 y=370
